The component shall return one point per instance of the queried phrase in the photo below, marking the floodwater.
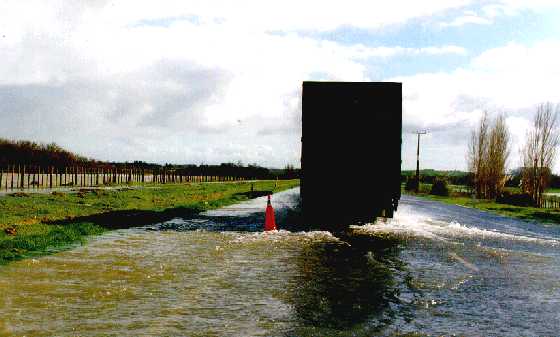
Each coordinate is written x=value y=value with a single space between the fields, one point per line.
x=435 y=269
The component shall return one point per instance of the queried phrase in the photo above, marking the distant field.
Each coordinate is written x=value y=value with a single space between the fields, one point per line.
x=430 y=172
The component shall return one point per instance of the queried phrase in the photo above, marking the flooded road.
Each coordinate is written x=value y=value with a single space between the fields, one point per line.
x=434 y=269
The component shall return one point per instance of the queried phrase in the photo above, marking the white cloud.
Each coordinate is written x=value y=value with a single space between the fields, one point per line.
x=511 y=79
x=362 y=52
x=181 y=81
x=284 y=15
x=467 y=19
x=193 y=81
x=492 y=10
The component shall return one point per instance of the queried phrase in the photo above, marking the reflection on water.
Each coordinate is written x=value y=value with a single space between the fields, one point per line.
x=347 y=286
x=435 y=269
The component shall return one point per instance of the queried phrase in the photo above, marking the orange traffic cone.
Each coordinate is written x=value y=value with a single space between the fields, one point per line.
x=269 y=223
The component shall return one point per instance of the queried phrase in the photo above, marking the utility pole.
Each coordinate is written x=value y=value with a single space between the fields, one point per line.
x=423 y=132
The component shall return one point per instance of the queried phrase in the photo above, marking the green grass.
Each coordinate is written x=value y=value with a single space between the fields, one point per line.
x=47 y=222
x=39 y=239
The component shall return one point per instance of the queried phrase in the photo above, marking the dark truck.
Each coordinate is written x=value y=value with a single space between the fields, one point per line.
x=351 y=152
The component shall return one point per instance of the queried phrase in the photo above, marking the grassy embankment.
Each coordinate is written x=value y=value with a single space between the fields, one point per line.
x=48 y=222
x=463 y=199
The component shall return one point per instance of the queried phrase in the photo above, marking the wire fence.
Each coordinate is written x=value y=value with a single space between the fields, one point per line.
x=18 y=177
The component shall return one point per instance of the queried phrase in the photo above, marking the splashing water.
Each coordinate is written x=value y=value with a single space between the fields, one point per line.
x=434 y=269
x=409 y=222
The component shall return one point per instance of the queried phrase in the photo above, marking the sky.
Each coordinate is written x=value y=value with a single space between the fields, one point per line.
x=216 y=81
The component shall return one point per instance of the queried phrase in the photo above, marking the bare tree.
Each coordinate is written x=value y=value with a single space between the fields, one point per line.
x=496 y=157
x=487 y=156
x=539 y=151
x=477 y=151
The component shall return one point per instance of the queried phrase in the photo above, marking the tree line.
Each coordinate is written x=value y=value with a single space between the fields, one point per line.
x=428 y=176
x=42 y=157
x=28 y=153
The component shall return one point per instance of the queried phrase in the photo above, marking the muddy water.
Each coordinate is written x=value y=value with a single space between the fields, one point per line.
x=434 y=269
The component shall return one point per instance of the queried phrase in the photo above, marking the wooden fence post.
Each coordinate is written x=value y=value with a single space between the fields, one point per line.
x=18 y=180
x=12 y=183
x=20 y=176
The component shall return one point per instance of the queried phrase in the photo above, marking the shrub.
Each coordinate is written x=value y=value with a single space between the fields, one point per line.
x=410 y=184
x=439 y=187
x=516 y=199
